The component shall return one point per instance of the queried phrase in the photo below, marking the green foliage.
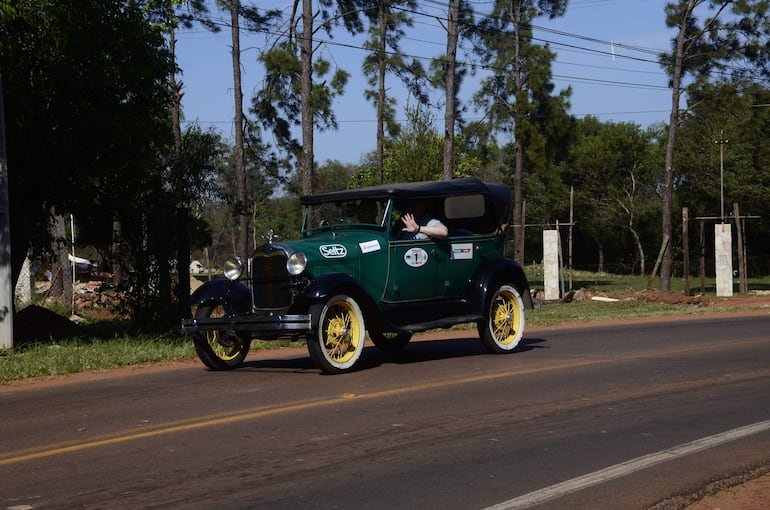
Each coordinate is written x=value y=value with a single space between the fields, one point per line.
x=333 y=176
x=612 y=168
x=364 y=176
x=519 y=84
x=191 y=173
x=417 y=153
x=281 y=214
x=728 y=113
x=87 y=100
x=385 y=57
x=731 y=43
x=725 y=112
x=217 y=209
x=278 y=104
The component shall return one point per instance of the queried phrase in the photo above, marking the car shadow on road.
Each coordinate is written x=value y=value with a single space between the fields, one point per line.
x=299 y=364
x=415 y=352
x=434 y=350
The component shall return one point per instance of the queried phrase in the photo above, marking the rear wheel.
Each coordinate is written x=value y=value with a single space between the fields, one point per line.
x=502 y=329
x=220 y=349
x=390 y=341
x=339 y=341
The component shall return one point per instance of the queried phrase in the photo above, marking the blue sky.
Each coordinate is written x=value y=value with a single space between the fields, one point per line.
x=606 y=51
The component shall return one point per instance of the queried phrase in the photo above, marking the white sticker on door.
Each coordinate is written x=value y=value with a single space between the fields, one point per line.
x=462 y=251
x=416 y=257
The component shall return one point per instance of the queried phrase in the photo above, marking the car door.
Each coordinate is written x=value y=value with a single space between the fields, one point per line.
x=417 y=270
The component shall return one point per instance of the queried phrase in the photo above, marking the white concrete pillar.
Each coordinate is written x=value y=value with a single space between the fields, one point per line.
x=551 y=264
x=723 y=259
x=24 y=289
x=6 y=285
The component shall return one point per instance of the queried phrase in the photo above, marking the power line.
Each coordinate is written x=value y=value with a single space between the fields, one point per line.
x=470 y=65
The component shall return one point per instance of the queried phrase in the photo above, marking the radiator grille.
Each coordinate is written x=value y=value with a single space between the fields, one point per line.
x=270 y=280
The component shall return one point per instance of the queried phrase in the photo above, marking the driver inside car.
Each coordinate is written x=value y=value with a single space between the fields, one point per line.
x=418 y=224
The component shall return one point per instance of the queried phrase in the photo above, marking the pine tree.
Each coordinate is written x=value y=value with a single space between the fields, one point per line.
x=518 y=83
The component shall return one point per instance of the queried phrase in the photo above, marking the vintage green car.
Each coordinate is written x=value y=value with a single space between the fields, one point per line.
x=358 y=268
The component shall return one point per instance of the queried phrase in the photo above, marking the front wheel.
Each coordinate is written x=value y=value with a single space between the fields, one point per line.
x=223 y=349
x=339 y=341
x=502 y=328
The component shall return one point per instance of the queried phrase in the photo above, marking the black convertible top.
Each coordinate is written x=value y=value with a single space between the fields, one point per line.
x=426 y=189
x=499 y=194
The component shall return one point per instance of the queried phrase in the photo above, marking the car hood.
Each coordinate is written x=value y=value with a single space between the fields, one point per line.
x=336 y=246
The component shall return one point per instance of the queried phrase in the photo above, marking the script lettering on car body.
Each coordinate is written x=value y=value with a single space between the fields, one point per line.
x=333 y=251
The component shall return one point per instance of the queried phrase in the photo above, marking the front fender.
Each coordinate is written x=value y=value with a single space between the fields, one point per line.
x=234 y=297
x=332 y=284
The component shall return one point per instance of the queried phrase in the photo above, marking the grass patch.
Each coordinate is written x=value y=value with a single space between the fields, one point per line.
x=590 y=311
x=82 y=355
x=607 y=282
x=70 y=356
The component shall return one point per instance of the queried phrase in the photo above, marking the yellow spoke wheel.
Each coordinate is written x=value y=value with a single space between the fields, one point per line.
x=502 y=327
x=339 y=340
x=219 y=349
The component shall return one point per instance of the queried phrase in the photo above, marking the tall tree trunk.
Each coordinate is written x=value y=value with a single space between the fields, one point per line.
x=518 y=193
x=666 y=267
x=240 y=160
x=600 y=269
x=306 y=89
x=451 y=92
x=639 y=248
x=183 y=233
x=116 y=253
x=62 y=268
x=382 y=21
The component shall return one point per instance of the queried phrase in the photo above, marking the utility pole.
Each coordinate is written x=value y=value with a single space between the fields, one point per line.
x=721 y=142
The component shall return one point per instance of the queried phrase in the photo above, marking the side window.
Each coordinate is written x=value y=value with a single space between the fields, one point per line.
x=466 y=215
x=468 y=206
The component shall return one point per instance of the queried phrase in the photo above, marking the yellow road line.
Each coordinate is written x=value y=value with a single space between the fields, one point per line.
x=15 y=457
x=254 y=413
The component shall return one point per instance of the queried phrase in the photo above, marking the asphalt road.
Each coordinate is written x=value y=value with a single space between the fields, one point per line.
x=624 y=416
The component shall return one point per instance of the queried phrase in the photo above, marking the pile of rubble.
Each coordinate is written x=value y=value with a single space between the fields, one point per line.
x=756 y=298
x=97 y=298
x=648 y=295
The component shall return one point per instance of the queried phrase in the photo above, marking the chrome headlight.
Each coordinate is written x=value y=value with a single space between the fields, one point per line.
x=233 y=268
x=297 y=263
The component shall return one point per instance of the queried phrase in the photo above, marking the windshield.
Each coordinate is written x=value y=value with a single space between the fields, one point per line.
x=344 y=214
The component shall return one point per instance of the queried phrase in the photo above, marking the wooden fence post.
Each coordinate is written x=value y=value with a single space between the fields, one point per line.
x=743 y=287
x=686 y=250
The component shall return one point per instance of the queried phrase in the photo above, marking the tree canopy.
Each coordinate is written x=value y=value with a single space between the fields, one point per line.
x=87 y=96
x=91 y=131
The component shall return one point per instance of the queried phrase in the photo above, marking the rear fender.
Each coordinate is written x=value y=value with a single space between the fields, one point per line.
x=234 y=297
x=488 y=278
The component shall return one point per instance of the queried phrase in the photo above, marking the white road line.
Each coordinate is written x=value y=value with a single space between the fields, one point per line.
x=628 y=467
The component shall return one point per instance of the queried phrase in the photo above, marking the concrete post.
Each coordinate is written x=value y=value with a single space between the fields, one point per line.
x=24 y=289
x=551 y=264
x=723 y=259
x=6 y=280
